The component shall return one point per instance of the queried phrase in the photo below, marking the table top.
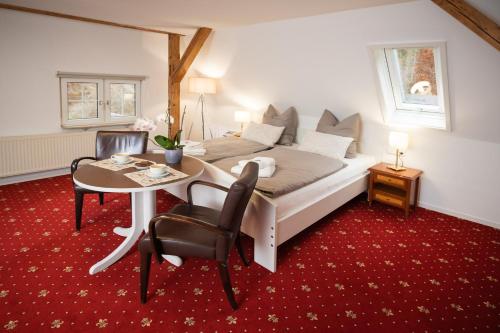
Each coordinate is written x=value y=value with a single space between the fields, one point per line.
x=409 y=173
x=104 y=180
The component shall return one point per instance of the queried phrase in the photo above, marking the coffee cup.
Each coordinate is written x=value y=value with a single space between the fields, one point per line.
x=157 y=169
x=120 y=158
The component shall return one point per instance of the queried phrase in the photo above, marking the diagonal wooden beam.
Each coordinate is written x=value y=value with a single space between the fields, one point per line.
x=80 y=18
x=472 y=18
x=177 y=68
x=191 y=52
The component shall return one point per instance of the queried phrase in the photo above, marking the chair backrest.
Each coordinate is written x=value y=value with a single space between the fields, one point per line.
x=238 y=196
x=112 y=142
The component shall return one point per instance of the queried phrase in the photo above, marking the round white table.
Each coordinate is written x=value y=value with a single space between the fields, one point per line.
x=143 y=199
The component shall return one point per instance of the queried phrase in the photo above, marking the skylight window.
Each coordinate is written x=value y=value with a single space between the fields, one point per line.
x=413 y=84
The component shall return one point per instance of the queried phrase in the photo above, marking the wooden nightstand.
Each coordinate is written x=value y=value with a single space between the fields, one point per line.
x=394 y=187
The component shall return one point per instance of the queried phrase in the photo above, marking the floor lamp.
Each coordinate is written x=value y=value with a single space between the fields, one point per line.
x=202 y=86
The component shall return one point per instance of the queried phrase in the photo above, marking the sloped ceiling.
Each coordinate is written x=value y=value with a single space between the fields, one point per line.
x=184 y=15
x=490 y=8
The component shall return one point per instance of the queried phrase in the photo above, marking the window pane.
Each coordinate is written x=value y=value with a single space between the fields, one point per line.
x=417 y=75
x=122 y=99
x=82 y=100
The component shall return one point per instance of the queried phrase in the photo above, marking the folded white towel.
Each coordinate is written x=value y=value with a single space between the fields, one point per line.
x=242 y=163
x=267 y=172
x=263 y=162
x=191 y=144
x=263 y=173
x=195 y=151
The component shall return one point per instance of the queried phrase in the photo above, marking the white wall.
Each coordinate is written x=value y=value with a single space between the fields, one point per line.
x=34 y=47
x=323 y=62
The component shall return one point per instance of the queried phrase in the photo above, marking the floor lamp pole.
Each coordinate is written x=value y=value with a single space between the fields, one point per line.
x=202 y=116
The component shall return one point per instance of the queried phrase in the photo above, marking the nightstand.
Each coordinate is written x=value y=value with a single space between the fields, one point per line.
x=394 y=187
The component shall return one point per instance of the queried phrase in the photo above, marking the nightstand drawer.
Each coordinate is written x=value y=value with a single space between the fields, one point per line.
x=389 y=200
x=390 y=180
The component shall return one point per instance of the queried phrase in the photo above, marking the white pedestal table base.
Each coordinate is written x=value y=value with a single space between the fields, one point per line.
x=143 y=209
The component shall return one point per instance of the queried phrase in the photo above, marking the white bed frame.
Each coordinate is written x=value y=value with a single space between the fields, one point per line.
x=261 y=220
x=268 y=225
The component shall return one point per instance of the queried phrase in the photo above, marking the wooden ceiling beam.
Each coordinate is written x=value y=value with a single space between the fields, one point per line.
x=177 y=69
x=174 y=88
x=191 y=52
x=81 y=18
x=472 y=18
x=177 y=66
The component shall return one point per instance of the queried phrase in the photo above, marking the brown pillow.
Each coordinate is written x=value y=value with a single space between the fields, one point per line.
x=287 y=119
x=349 y=127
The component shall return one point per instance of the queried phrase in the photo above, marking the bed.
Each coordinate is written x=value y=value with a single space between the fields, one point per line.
x=271 y=221
x=226 y=147
x=294 y=169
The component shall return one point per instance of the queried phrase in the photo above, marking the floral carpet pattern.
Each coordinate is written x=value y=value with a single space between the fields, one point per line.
x=360 y=269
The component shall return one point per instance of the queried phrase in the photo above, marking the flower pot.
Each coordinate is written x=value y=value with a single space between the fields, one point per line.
x=173 y=156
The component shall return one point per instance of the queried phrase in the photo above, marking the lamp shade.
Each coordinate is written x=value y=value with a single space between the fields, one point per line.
x=242 y=116
x=398 y=140
x=202 y=85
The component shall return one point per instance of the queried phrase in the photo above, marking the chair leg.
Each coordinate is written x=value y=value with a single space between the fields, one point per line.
x=101 y=198
x=145 y=266
x=226 y=283
x=78 y=209
x=240 y=250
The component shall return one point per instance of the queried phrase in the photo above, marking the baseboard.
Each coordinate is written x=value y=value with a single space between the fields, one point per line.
x=464 y=216
x=33 y=176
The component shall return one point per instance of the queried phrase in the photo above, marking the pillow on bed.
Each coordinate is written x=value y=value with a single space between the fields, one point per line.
x=349 y=127
x=266 y=134
x=288 y=119
x=325 y=144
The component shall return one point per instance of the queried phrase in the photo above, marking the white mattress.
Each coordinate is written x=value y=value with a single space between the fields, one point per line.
x=290 y=202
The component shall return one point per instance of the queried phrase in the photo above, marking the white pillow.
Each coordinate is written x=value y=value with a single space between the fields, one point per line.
x=325 y=144
x=266 y=134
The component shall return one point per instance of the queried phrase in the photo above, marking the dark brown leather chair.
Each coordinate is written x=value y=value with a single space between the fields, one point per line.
x=188 y=230
x=107 y=144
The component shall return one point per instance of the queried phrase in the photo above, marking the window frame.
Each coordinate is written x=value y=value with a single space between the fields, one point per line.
x=64 y=103
x=396 y=112
x=107 y=93
x=103 y=82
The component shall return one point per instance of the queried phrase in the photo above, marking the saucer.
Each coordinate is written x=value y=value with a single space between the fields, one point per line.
x=166 y=173
x=122 y=163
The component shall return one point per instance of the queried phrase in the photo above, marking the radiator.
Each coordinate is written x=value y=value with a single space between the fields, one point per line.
x=33 y=153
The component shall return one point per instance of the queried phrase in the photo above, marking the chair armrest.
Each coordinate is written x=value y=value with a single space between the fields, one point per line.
x=203 y=183
x=188 y=219
x=74 y=164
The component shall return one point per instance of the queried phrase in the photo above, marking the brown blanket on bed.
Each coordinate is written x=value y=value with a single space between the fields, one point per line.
x=294 y=169
x=228 y=147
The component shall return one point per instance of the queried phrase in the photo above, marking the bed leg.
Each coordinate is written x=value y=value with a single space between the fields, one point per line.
x=265 y=250
x=265 y=256
x=261 y=224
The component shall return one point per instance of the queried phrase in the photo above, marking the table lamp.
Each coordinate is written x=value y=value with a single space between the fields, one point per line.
x=202 y=86
x=398 y=141
x=242 y=117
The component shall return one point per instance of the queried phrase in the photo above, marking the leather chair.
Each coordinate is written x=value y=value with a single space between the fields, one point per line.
x=188 y=230
x=107 y=144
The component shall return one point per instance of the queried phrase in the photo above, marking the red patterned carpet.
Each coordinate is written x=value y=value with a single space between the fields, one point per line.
x=360 y=269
